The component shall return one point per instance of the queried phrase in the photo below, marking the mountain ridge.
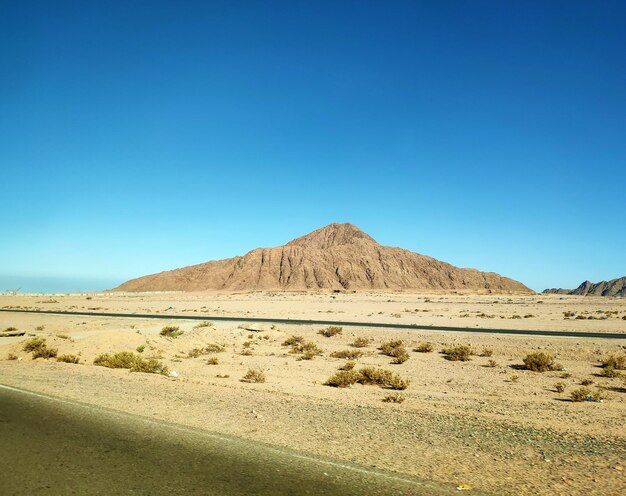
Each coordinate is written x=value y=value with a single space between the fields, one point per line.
x=614 y=287
x=334 y=257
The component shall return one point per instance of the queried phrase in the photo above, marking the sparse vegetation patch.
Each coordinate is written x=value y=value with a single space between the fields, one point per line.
x=541 y=362
x=128 y=360
x=460 y=353
x=68 y=359
x=33 y=344
x=254 y=375
x=394 y=398
x=618 y=362
x=39 y=348
x=396 y=350
x=204 y=323
x=214 y=348
x=343 y=378
x=171 y=331
x=368 y=376
x=610 y=372
x=293 y=341
x=360 y=342
x=349 y=354
x=423 y=348
x=586 y=394
x=331 y=331
x=306 y=349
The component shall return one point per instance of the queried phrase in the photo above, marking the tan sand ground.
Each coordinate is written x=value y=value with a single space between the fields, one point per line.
x=460 y=422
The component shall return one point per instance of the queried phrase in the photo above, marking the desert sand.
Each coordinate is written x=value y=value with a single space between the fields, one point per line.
x=496 y=428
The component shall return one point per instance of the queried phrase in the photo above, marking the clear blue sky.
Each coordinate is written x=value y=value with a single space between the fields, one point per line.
x=139 y=136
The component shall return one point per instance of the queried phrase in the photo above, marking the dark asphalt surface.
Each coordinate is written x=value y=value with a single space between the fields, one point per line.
x=57 y=447
x=415 y=327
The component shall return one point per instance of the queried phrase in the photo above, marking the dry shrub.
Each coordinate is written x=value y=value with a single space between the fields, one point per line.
x=396 y=350
x=204 y=323
x=121 y=360
x=388 y=347
x=559 y=387
x=361 y=342
x=34 y=343
x=330 y=331
x=307 y=350
x=11 y=356
x=541 y=362
x=214 y=348
x=486 y=352
x=459 y=353
x=618 y=362
x=368 y=376
x=149 y=366
x=210 y=348
x=402 y=357
x=39 y=348
x=68 y=359
x=394 y=398
x=610 y=372
x=254 y=375
x=586 y=394
x=348 y=366
x=212 y=361
x=293 y=341
x=128 y=360
x=171 y=331
x=343 y=378
x=586 y=382
x=492 y=363
x=382 y=377
x=423 y=348
x=350 y=354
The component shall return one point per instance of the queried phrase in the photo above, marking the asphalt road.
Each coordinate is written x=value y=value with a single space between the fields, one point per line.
x=57 y=447
x=269 y=320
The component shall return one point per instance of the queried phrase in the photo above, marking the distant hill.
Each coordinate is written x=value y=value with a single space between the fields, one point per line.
x=615 y=287
x=335 y=257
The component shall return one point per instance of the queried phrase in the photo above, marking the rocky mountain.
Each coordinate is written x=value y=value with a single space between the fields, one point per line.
x=615 y=287
x=335 y=257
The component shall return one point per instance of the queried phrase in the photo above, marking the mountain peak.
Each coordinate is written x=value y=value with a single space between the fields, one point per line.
x=335 y=257
x=332 y=235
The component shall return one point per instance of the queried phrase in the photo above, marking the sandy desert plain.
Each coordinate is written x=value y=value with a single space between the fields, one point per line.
x=486 y=422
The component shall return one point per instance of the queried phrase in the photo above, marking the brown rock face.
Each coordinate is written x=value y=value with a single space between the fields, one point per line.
x=614 y=288
x=338 y=256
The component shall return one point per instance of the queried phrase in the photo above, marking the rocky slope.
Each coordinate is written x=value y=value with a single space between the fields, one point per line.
x=335 y=257
x=615 y=287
